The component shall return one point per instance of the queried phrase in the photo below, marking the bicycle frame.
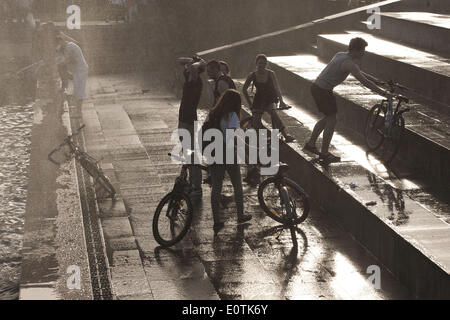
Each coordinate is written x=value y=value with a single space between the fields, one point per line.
x=181 y=182
x=396 y=112
x=73 y=148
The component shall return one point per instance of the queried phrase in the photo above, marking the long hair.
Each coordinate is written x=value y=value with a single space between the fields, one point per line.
x=230 y=101
x=223 y=63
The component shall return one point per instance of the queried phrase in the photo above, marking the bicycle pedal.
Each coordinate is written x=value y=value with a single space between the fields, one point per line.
x=279 y=234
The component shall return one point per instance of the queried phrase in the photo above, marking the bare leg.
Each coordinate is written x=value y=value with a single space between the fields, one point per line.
x=277 y=123
x=318 y=128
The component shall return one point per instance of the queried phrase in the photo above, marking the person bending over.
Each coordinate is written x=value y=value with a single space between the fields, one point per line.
x=337 y=70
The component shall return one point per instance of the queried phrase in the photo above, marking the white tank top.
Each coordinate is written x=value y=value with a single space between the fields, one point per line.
x=75 y=58
x=333 y=75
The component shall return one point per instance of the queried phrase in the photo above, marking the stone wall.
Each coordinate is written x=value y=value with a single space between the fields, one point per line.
x=180 y=28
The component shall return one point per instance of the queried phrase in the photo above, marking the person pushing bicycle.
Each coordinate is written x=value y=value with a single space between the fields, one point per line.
x=337 y=70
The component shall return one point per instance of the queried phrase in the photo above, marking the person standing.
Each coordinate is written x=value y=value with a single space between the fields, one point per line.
x=73 y=59
x=192 y=89
x=226 y=114
x=337 y=70
x=130 y=10
x=219 y=81
x=25 y=12
x=267 y=95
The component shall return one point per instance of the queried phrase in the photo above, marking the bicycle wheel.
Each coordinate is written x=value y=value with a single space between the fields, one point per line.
x=97 y=174
x=89 y=165
x=374 y=131
x=106 y=185
x=393 y=141
x=270 y=200
x=172 y=219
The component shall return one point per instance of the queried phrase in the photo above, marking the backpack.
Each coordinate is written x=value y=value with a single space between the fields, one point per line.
x=212 y=124
x=209 y=124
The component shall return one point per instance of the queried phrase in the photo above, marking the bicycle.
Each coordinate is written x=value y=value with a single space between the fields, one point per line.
x=89 y=163
x=284 y=201
x=247 y=122
x=385 y=125
x=177 y=207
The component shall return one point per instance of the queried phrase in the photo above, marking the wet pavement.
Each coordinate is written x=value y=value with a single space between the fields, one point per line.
x=132 y=132
x=15 y=139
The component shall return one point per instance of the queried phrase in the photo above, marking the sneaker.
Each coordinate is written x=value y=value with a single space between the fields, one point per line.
x=289 y=139
x=311 y=148
x=218 y=226
x=329 y=158
x=244 y=218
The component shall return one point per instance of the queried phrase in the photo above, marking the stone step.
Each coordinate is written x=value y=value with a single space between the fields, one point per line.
x=426 y=73
x=425 y=30
x=241 y=262
x=407 y=236
x=438 y=6
x=425 y=148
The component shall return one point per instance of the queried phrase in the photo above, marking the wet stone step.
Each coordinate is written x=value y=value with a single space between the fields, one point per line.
x=426 y=30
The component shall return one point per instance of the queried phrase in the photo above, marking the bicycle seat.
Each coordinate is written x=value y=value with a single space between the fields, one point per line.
x=402 y=99
x=283 y=168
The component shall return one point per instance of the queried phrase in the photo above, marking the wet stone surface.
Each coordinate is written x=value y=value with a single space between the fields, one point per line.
x=15 y=141
x=241 y=262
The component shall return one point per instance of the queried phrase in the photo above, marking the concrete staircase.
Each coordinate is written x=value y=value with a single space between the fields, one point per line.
x=425 y=73
x=423 y=67
x=408 y=229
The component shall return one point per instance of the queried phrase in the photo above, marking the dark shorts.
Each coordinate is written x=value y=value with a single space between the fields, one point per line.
x=325 y=100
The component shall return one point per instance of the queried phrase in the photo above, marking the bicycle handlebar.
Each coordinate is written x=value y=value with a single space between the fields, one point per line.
x=177 y=157
x=393 y=85
x=286 y=107
x=77 y=131
x=66 y=140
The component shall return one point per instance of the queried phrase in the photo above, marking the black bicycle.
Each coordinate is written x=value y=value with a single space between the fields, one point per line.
x=173 y=216
x=89 y=164
x=284 y=201
x=385 y=124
